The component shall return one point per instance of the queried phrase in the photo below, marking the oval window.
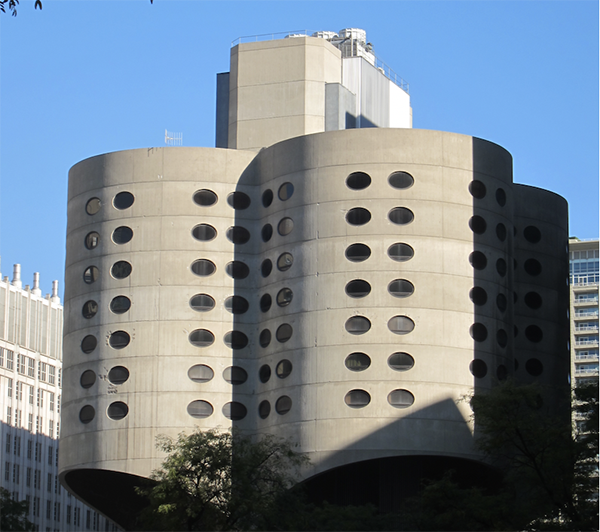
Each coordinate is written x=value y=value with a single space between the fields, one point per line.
x=264 y=409
x=200 y=409
x=477 y=189
x=264 y=339
x=121 y=269
x=200 y=373
x=235 y=340
x=283 y=369
x=117 y=410
x=532 y=267
x=118 y=374
x=358 y=180
x=267 y=197
x=266 y=267
x=501 y=337
x=401 y=288
x=501 y=302
x=120 y=304
x=357 y=398
x=501 y=232
x=478 y=332
x=284 y=333
x=238 y=200
x=122 y=235
x=89 y=310
x=91 y=275
x=533 y=300
x=502 y=372
x=358 y=216
x=87 y=413
x=400 y=252
x=400 y=398
x=205 y=198
x=478 y=295
x=88 y=344
x=237 y=304
x=357 y=361
x=401 y=216
x=119 y=340
x=265 y=303
x=238 y=234
x=123 y=200
x=477 y=224
x=88 y=378
x=283 y=405
x=401 y=361
x=478 y=368
x=284 y=297
x=478 y=260
x=285 y=226
x=92 y=240
x=284 y=262
x=285 y=191
x=401 y=325
x=532 y=234
x=357 y=325
x=358 y=288
x=93 y=206
x=401 y=180
x=501 y=267
x=534 y=334
x=234 y=411
x=264 y=373
x=201 y=338
x=237 y=270
x=534 y=367
x=235 y=375
x=358 y=252
x=501 y=197
x=204 y=232
x=266 y=232
x=202 y=302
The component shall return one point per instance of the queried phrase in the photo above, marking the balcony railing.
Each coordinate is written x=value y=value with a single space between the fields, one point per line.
x=586 y=342
x=586 y=357
x=586 y=328
x=583 y=315
x=585 y=301
x=586 y=371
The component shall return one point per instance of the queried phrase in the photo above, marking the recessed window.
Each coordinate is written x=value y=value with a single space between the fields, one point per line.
x=93 y=206
x=285 y=226
x=117 y=410
x=118 y=375
x=501 y=232
x=266 y=232
x=501 y=302
x=478 y=368
x=123 y=200
x=358 y=180
x=400 y=252
x=401 y=216
x=501 y=267
x=91 y=275
x=235 y=340
x=204 y=232
x=502 y=372
x=237 y=269
x=358 y=216
x=477 y=224
x=238 y=200
x=532 y=234
x=358 y=288
x=88 y=344
x=235 y=375
x=478 y=332
x=89 y=310
x=284 y=333
x=533 y=300
x=201 y=338
x=501 y=337
x=401 y=325
x=200 y=409
x=501 y=197
x=284 y=262
x=534 y=367
x=205 y=198
x=200 y=373
x=283 y=369
x=237 y=304
x=88 y=378
x=266 y=267
x=92 y=240
x=357 y=398
x=357 y=325
x=358 y=252
x=264 y=339
x=267 y=197
x=478 y=295
x=121 y=269
x=122 y=235
x=283 y=405
x=477 y=189
x=478 y=260
x=238 y=234
x=400 y=398
x=285 y=191
x=264 y=409
x=357 y=361
x=401 y=361
x=202 y=302
x=264 y=373
x=534 y=334
x=532 y=267
x=120 y=304
x=119 y=339
x=401 y=288
x=284 y=297
x=265 y=302
x=401 y=180
x=87 y=413
x=234 y=411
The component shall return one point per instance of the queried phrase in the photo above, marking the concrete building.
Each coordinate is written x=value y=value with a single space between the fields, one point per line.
x=30 y=402
x=342 y=287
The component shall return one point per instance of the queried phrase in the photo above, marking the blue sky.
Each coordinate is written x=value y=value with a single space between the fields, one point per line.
x=83 y=77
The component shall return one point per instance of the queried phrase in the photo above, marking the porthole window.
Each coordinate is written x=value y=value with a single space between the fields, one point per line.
x=357 y=325
x=235 y=375
x=202 y=303
x=358 y=216
x=234 y=411
x=534 y=334
x=478 y=295
x=285 y=191
x=533 y=300
x=119 y=340
x=200 y=409
x=400 y=398
x=478 y=260
x=264 y=373
x=501 y=267
x=357 y=361
x=478 y=368
x=400 y=252
x=401 y=361
x=120 y=304
x=266 y=267
x=477 y=189
x=477 y=224
x=235 y=340
x=534 y=367
x=267 y=197
x=264 y=409
x=284 y=333
x=205 y=198
x=264 y=339
x=201 y=338
x=91 y=275
x=123 y=200
x=401 y=216
x=88 y=378
x=401 y=180
x=283 y=369
x=501 y=337
x=502 y=372
x=532 y=267
x=265 y=303
x=237 y=269
x=284 y=262
x=117 y=410
x=358 y=252
x=118 y=375
x=284 y=297
x=266 y=232
x=283 y=405
x=89 y=310
x=478 y=332
x=501 y=302
x=237 y=304
x=238 y=200
x=88 y=344
x=501 y=232
x=358 y=180
x=204 y=232
x=93 y=206
x=87 y=414
x=358 y=288
x=285 y=226
x=401 y=288
x=92 y=240
x=121 y=269
x=357 y=398
x=122 y=235
x=501 y=197
x=200 y=373
x=238 y=234
x=532 y=234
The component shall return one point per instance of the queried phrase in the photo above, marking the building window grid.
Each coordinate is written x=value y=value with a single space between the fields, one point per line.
x=51 y=374
x=31 y=394
x=7 y=471
x=9 y=359
x=51 y=401
x=42 y=366
x=8 y=415
x=28 y=478
x=48 y=509
x=30 y=367
x=8 y=440
x=1 y=357
x=29 y=448
x=9 y=387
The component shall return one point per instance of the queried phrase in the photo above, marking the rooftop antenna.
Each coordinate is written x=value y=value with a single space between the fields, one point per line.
x=173 y=139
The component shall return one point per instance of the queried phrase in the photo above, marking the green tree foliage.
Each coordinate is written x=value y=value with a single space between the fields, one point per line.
x=13 y=514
